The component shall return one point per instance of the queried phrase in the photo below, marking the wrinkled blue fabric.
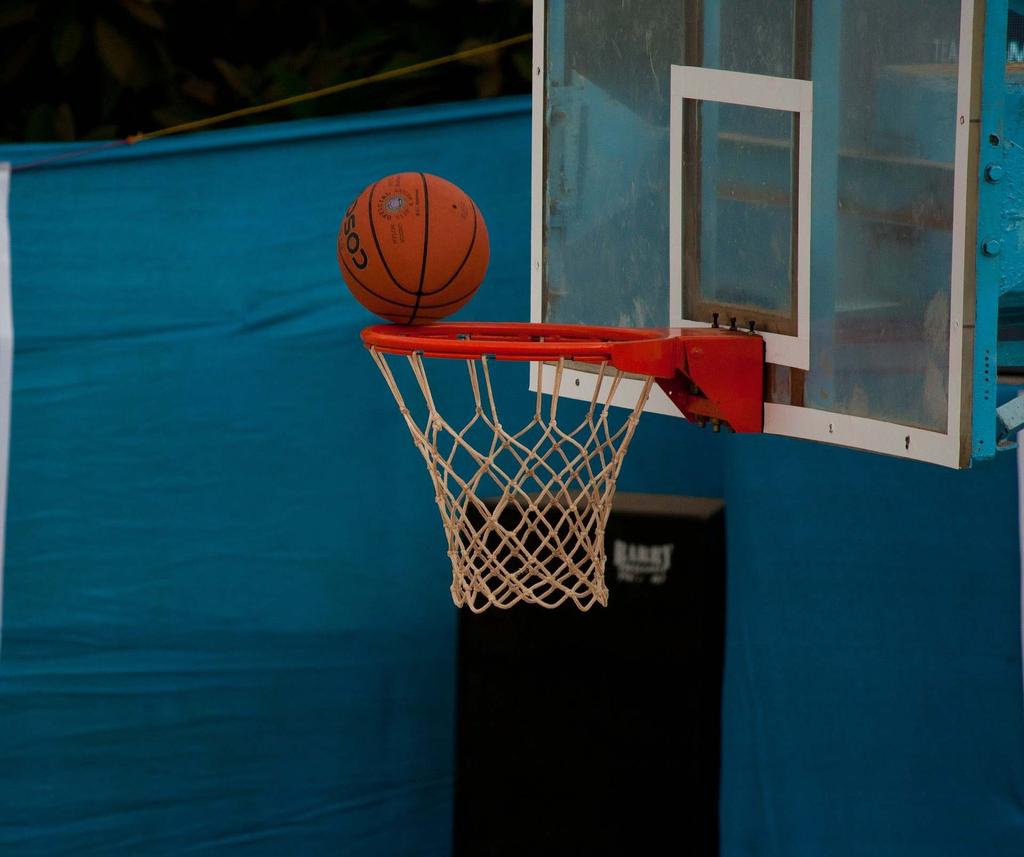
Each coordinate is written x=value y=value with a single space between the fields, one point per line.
x=227 y=625
x=872 y=699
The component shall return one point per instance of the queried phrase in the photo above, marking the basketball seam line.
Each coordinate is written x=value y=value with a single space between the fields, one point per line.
x=376 y=241
x=465 y=259
x=426 y=240
x=380 y=297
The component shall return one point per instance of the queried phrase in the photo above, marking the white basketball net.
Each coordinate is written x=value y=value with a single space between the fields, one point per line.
x=524 y=511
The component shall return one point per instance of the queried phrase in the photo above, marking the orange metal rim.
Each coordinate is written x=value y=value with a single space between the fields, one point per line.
x=509 y=340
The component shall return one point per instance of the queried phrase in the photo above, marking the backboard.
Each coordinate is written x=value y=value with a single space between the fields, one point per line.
x=808 y=170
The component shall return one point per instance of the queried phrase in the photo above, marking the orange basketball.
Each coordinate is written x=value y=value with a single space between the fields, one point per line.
x=413 y=248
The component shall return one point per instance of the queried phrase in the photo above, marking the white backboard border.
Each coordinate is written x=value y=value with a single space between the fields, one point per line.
x=690 y=83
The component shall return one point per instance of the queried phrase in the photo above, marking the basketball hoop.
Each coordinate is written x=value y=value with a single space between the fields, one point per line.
x=524 y=509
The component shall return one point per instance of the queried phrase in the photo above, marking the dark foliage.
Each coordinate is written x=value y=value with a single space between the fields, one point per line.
x=96 y=69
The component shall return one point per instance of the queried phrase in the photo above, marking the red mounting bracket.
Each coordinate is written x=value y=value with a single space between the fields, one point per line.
x=711 y=375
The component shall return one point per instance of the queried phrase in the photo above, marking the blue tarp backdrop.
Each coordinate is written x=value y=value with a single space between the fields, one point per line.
x=226 y=611
x=872 y=699
x=227 y=626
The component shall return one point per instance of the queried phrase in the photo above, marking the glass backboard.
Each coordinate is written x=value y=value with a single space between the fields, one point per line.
x=807 y=169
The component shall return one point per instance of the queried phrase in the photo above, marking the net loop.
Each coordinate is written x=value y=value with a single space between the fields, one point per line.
x=524 y=511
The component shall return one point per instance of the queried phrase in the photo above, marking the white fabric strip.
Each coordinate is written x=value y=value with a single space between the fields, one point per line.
x=6 y=361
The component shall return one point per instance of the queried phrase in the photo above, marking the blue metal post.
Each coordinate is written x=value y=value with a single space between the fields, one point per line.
x=987 y=249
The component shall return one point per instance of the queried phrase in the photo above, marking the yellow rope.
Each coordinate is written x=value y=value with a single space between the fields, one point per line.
x=330 y=90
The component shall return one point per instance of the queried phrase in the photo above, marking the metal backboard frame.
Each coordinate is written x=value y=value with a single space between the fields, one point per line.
x=952 y=447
